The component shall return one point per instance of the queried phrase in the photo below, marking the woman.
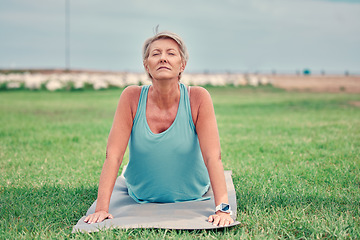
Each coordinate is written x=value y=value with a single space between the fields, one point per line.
x=172 y=135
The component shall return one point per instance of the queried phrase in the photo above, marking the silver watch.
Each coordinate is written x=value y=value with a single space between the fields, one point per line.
x=224 y=207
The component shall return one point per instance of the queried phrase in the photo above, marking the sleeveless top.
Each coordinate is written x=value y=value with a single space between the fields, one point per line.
x=166 y=167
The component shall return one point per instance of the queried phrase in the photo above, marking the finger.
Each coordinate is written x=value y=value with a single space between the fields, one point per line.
x=227 y=222
x=222 y=222
x=96 y=218
x=102 y=217
x=90 y=220
x=211 y=218
x=93 y=218
x=230 y=221
x=216 y=220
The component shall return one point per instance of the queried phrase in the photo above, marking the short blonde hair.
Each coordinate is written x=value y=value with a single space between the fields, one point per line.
x=165 y=35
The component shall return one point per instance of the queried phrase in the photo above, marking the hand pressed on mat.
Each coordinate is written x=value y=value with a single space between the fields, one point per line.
x=98 y=217
x=221 y=219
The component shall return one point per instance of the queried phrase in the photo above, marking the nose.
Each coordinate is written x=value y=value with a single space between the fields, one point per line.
x=163 y=58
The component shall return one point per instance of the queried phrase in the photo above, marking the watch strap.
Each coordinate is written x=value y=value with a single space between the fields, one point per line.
x=220 y=208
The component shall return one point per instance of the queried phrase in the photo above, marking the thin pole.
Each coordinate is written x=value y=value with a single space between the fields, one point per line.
x=67 y=35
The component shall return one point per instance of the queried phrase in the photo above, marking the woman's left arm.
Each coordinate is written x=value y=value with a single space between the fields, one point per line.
x=208 y=134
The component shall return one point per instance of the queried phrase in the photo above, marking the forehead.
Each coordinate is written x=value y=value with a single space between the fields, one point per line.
x=164 y=44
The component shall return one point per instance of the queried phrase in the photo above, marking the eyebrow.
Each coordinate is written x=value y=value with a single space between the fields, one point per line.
x=169 y=49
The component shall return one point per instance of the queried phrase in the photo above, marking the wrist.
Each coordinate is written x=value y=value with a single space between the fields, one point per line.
x=222 y=213
x=100 y=209
x=223 y=208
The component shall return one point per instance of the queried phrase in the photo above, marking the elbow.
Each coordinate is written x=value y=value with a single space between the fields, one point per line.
x=114 y=157
x=212 y=160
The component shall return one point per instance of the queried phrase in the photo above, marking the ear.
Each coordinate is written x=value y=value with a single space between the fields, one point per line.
x=146 y=65
x=183 y=65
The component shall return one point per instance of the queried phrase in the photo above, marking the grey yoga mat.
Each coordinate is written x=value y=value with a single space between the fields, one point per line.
x=183 y=215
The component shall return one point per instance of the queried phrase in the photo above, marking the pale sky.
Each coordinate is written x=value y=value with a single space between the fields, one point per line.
x=221 y=35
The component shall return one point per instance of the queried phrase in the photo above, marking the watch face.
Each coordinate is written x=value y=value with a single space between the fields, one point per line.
x=225 y=207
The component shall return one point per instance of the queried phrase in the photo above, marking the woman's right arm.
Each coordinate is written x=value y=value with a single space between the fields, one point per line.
x=115 y=150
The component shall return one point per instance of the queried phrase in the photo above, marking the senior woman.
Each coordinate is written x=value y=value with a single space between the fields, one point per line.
x=172 y=135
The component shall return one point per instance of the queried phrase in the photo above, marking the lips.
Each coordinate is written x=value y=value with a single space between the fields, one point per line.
x=163 y=67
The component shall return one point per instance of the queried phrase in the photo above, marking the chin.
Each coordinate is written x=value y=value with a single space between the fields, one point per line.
x=165 y=77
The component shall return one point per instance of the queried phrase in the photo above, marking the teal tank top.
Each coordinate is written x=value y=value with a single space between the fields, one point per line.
x=166 y=167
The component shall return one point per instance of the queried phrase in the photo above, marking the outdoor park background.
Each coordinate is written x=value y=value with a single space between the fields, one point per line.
x=283 y=76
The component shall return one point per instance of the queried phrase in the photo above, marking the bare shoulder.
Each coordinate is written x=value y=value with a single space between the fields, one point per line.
x=131 y=91
x=130 y=97
x=199 y=95
x=200 y=102
x=131 y=94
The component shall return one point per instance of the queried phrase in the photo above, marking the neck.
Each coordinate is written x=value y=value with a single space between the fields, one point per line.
x=165 y=94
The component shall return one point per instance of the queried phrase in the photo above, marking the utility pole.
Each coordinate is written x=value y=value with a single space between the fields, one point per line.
x=67 y=35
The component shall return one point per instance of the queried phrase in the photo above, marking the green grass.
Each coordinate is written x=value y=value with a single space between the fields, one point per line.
x=295 y=159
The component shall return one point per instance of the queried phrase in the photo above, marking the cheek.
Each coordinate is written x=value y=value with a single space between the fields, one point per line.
x=152 y=63
x=148 y=65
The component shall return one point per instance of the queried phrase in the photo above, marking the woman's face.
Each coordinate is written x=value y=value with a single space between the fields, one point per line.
x=164 y=61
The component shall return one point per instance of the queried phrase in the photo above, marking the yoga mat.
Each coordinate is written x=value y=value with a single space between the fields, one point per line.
x=184 y=215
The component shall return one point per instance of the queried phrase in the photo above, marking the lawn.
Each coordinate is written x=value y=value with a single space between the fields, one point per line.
x=295 y=159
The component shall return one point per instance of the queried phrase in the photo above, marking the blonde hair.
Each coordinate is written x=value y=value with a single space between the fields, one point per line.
x=166 y=35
